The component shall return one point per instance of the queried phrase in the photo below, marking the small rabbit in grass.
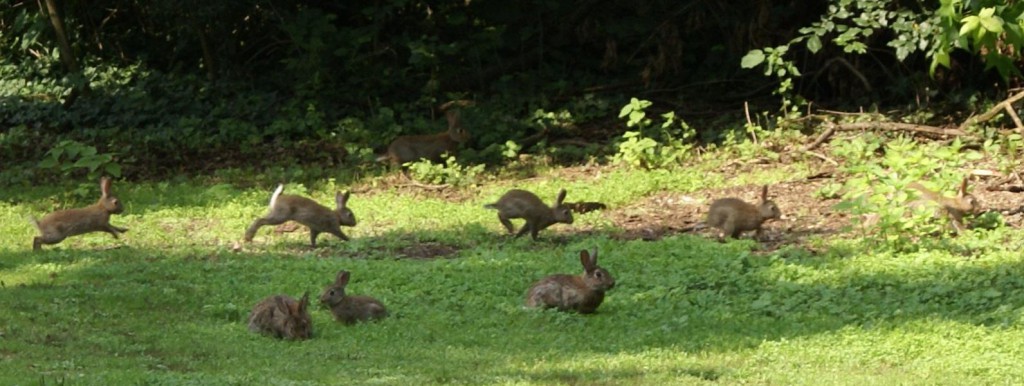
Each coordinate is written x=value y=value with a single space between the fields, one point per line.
x=282 y=317
x=583 y=293
x=734 y=216
x=954 y=207
x=318 y=218
x=350 y=309
x=409 y=148
x=57 y=226
x=518 y=203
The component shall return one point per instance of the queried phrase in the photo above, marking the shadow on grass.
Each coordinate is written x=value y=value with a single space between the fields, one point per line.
x=681 y=293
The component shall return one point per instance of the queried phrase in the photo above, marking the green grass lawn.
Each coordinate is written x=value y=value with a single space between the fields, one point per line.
x=167 y=304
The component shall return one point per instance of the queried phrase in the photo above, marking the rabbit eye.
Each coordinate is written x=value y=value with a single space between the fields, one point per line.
x=598 y=274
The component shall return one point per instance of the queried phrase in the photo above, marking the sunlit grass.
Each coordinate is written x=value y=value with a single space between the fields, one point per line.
x=167 y=303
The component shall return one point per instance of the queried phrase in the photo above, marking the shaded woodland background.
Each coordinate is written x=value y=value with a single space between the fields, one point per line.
x=157 y=88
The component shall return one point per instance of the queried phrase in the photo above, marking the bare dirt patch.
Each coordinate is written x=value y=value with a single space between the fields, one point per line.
x=805 y=213
x=398 y=183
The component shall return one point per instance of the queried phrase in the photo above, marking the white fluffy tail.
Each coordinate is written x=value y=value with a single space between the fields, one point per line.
x=273 y=198
x=34 y=221
x=382 y=158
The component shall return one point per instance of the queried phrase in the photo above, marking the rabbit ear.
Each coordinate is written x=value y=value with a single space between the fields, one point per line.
x=304 y=302
x=561 y=197
x=764 y=193
x=281 y=304
x=105 y=186
x=342 y=278
x=341 y=199
x=963 y=188
x=589 y=262
x=454 y=120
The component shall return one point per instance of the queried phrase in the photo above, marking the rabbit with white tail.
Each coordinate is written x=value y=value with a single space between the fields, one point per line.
x=734 y=216
x=582 y=293
x=318 y=218
x=350 y=309
x=282 y=317
x=409 y=148
x=522 y=204
x=57 y=226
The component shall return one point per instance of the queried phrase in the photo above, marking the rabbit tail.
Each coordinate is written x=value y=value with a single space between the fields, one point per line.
x=273 y=197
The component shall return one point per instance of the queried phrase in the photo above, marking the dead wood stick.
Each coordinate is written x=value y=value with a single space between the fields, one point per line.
x=1006 y=104
x=1016 y=119
x=821 y=157
x=822 y=138
x=897 y=126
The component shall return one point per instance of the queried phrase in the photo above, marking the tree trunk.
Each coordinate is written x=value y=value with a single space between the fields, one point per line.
x=66 y=55
x=208 y=61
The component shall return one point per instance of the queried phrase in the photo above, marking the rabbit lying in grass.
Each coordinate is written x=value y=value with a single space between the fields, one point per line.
x=955 y=208
x=57 y=226
x=522 y=204
x=409 y=148
x=282 y=317
x=350 y=309
x=734 y=216
x=318 y=218
x=583 y=293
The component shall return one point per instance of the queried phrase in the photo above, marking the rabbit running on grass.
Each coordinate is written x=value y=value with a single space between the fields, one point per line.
x=734 y=216
x=522 y=204
x=350 y=309
x=282 y=317
x=583 y=293
x=409 y=148
x=953 y=207
x=59 y=225
x=319 y=218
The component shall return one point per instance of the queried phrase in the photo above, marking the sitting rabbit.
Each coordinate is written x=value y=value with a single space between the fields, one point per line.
x=350 y=309
x=734 y=216
x=57 y=226
x=518 y=203
x=583 y=293
x=409 y=148
x=318 y=218
x=282 y=317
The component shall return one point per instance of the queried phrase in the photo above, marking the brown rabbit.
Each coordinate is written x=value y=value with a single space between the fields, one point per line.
x=282 y=317
x=953 y=207
x=734 y=216
x=583 y=293
x=408 y=148
x=57 y=226
x=318 y=218
x=518 y=203
x=350 y=309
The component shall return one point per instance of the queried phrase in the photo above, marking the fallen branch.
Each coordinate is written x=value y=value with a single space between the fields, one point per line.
x=417 y=184
x=897 y=126
x=571 y=141
x=821 y=157
x=1005 y=105
x=821 y=138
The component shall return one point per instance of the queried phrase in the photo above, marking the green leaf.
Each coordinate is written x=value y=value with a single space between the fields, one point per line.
x=113 y=169
x=752 y=59
x=992 y=24
x=47 y=163
x=814 y=44
x=970 y=24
